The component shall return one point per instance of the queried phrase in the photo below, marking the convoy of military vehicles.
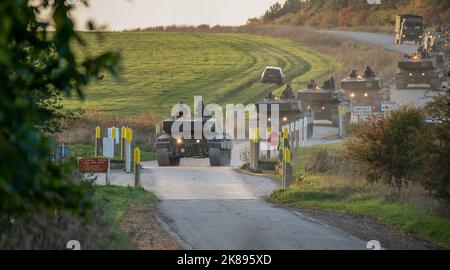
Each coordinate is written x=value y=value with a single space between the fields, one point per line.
x=430 y=65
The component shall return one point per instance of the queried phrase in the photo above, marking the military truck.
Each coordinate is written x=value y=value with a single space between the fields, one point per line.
x=324 y=102
x=408 y=27
x=169 y=149
x=419 y=68
x=290 y=110
x=365 y=90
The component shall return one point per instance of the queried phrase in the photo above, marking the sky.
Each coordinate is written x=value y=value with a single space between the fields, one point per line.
x=128 y=14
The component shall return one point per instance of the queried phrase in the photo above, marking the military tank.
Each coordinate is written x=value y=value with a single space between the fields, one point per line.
x=323 y=101
x=419 y=68
x=290 y=110
x=366 y=90
x=169 y=149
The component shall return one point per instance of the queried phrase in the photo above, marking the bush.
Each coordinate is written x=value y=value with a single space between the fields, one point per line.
x=433 y=149
x=384 y=148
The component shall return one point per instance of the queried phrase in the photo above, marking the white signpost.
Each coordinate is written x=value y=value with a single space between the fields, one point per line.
x=108 y=147
x=388 y=106
x=362 y=110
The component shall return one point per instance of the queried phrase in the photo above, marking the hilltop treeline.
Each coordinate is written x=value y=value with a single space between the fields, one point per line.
x=351 y=13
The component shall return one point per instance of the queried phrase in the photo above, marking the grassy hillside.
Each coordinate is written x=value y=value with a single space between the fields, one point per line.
x=160 y=69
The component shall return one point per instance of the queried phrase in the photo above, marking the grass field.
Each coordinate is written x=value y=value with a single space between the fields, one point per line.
x=160 y=69
x=413 y=211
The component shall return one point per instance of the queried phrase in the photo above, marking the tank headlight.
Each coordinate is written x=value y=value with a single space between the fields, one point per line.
x=179 y=141
x=352 y=95
x=198 y=141
x=404 y=36
x=323 y=108
x=269 y=119
x=285 y=119
x=366 y=95
x=410 y=74
x=309 y=107
x=423 y=74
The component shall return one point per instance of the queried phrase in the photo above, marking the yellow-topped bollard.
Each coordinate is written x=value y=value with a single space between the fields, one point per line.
x=285 y=133
x=287 y=155
x=129 y=137
x=97 y=132
x=137 y=167
x=97 y=141
x=137 y=156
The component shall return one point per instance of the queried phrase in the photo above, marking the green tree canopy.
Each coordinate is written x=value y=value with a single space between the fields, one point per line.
x=36 y=66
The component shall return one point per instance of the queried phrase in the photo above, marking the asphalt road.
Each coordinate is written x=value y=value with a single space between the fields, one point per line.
x=218 y=208
x=417 y=95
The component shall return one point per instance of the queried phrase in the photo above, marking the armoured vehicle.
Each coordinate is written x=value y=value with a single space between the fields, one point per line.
x=290 y=109
x=169 y=149
x=419 y=68
x=434 y=44
x=366 y=90
x=324 y=102
x=408 y=27
x=273 y=75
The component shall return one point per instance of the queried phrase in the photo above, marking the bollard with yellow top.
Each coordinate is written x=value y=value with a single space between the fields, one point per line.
x=128 y=140
x=97 y=141
x=286 y=156
x=137 y=167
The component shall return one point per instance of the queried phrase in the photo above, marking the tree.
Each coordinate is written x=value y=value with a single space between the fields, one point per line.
x=433 y=148
x=36 y=66
x=273 y=12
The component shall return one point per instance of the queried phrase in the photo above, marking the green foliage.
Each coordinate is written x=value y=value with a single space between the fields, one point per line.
x=35 y=67
x=433 y=148
x=384 y=147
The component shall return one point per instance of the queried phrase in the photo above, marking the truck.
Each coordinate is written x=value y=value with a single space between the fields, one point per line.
x=170 y=149
x=409 y=27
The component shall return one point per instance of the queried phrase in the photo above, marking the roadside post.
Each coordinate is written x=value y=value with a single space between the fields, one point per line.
x=287 y=170
x=129 y=139
x=269 y=148
x=254 y=149
x=137 y=167
x=97 y=141
x=305 y=130
x=122 y=142
x=342 y=112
